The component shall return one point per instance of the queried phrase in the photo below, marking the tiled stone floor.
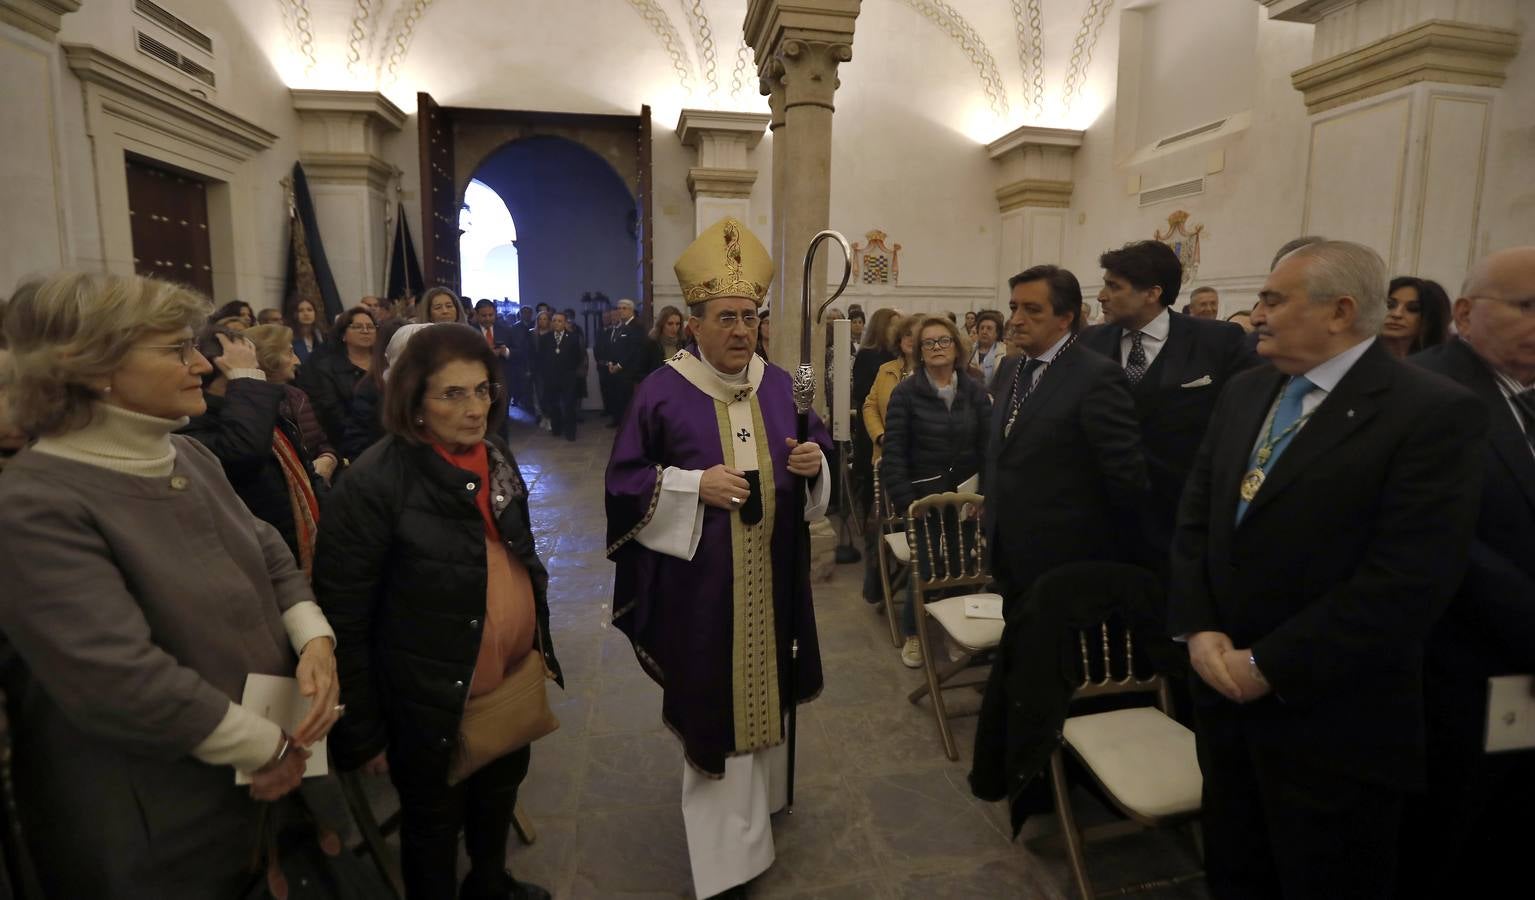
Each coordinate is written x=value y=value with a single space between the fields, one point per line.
x=880 y=812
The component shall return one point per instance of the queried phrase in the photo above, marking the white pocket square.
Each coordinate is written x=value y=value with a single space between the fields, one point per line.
x=1201 y=381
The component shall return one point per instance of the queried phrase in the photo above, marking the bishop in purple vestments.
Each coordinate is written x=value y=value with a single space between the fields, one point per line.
x=703 y=509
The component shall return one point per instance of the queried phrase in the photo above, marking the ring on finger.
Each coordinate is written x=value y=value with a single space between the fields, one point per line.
x=735 y=501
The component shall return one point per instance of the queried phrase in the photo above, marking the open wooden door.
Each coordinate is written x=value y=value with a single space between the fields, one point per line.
x=439 y=196
x=645 y=200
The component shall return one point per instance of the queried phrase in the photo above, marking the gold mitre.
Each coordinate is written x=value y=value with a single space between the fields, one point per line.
x=727 y=260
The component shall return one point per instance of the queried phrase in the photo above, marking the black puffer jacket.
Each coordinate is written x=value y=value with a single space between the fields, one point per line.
x=400 y=573
x=238 y=428
x=329 y=378
x=929 y=447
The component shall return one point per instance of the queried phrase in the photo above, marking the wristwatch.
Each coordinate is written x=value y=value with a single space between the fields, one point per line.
x=282 y=754
x=1252 y=667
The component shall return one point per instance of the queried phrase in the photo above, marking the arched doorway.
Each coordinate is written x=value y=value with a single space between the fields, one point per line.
x=576 y=223
x=457 y=142
x=487 y=247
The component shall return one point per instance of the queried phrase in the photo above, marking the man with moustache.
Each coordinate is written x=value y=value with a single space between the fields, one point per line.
x=1323 y=529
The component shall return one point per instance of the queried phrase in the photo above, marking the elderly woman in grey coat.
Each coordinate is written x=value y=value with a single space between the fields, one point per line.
x=140 y=592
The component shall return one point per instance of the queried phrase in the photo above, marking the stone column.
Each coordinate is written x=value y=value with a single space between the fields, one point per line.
x=799 y=46
x=341 y=135
x=35 y=237
x=721 y=183
x=1034 y=184
x=1401 y=95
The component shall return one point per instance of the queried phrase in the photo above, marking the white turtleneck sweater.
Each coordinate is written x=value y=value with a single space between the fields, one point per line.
x=135 y=444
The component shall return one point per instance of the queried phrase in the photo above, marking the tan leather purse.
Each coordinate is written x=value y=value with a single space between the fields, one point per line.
x=513 y=715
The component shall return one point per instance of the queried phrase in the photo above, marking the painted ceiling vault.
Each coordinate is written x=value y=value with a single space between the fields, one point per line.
x=1029 y=59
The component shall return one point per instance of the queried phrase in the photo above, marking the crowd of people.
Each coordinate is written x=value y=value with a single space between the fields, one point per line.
x=1335 y=491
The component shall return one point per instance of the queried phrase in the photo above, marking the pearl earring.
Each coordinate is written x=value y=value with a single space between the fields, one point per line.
x=107 y=389
x=420 y=421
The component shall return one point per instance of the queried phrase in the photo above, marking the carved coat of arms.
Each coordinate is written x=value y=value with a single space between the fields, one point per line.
x=874 y=262
x=1184 y=241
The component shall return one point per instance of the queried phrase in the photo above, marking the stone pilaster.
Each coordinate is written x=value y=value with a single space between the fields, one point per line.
x=1034 y=185
x=721 y=183
x=341 y=136
x=36 y=237
x=1401 y=98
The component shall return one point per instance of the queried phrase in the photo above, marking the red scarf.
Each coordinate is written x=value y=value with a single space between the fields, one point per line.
x=306 y=506
x=476 y=462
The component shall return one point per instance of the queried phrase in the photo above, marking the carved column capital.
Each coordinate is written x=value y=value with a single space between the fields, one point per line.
x=810 y=71
x=1034 y=167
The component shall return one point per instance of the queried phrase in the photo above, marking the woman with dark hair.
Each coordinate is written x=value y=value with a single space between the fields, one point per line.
x=1417 y=316
x=235 y=309
x=873 y=351
x=309 y=331
x=428 y=571
x=140 y=593
x=331 y=378
x=364 y=418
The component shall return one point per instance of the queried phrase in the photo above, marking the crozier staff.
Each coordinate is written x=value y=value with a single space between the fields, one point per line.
x=702 y=493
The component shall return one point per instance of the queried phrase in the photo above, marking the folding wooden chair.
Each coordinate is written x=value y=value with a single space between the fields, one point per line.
x=1140 y=758
x=951 y=551
x=893 y=553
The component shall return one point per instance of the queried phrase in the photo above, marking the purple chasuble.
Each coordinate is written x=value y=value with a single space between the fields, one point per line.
x=684 y=617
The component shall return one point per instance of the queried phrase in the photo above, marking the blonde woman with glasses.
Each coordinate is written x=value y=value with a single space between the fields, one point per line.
x=140 y=593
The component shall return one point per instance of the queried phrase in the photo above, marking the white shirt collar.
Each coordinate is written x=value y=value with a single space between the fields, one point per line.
x=1157 y=328
x=1049 y=355
x=1327 y=375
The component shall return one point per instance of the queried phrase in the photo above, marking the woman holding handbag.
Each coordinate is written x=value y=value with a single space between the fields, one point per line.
x=427 y=570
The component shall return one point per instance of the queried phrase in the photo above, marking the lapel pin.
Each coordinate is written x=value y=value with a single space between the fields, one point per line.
x=1351 y=414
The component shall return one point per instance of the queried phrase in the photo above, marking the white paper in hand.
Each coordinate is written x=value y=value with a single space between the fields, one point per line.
x=1510 y=713
x=277 y=699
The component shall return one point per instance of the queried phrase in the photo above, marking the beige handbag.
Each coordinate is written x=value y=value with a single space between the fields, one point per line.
x=513 y=715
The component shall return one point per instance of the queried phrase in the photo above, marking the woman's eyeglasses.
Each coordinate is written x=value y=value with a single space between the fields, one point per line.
x=361 y=328
x=186 y=351
x=942 y=343
x=457 y=396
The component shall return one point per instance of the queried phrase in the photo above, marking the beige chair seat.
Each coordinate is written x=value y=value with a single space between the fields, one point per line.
x=972 y=634
x=899 y=548
x=1143 y=758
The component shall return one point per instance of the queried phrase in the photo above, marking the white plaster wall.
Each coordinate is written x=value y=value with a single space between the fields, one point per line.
x=34 y=234
x=1507 y=216
x=1249 y=207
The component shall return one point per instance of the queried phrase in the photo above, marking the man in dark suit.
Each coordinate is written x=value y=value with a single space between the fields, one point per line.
x=1323 y=529
x=498 y=336
x=1466 y=836
x=627 y=351
x=600 y=349
x=1063 y=459
x=1177 y=365
x=560 y=358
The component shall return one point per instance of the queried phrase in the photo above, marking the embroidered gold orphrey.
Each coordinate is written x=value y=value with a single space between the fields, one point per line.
x=758 y=719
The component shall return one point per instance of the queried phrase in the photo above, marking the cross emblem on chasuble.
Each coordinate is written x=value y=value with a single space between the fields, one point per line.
x=743 y=435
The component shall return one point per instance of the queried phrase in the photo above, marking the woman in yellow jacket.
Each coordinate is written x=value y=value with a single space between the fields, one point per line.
x=901 y=338
x=903 y=334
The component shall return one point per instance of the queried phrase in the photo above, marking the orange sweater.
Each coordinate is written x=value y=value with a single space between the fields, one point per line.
x=510 y=620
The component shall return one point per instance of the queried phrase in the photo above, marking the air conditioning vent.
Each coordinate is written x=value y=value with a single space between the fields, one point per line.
x=1173 y=191
x=1191 y=133
x=174 y=24
x=171 y=57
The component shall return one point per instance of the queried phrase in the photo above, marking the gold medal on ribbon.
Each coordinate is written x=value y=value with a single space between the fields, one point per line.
x=1250 y=484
